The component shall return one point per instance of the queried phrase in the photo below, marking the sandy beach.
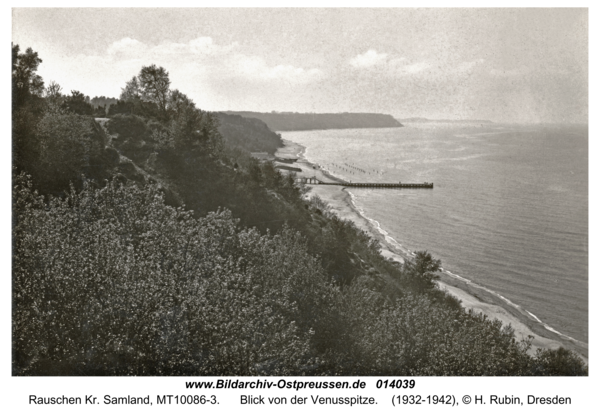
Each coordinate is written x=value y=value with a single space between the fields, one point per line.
x=472 y=296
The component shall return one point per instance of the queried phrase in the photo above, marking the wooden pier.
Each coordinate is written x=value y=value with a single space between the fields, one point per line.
x=314 y=180
x=400 y=185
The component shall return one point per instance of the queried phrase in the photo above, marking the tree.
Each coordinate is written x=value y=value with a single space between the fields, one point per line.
x=79 y=104
x=141 y=98
x=131 y=91
x=178 y=104
x=121 y=107
x=27 y=105
x=154 y=84
x=102 y=101
x=25 y=81
x=53 y=93
x=100 y=111
x=186 y=119
x=422 y=270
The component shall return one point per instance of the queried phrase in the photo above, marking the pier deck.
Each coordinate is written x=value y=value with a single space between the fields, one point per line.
x=314 y=180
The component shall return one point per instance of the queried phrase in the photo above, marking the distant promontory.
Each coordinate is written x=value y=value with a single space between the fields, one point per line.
x=427 y=120
x=294 y=121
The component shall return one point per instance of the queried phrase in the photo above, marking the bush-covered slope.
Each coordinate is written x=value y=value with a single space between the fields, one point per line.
x=112 y=281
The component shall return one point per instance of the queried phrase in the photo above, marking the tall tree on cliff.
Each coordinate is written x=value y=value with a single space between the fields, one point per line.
x=25 y=81
x=151 y=85
x=422 y=271
x=27 y=104
x=154 y=83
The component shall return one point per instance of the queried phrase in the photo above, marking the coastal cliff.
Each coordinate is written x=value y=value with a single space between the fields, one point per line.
x=294 y=121
x=250 y=134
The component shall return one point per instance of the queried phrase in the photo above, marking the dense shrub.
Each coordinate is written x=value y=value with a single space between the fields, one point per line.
x=128 y=126
x=559 y=362
x=415 y=336
x=112 y=281
x=66 y=145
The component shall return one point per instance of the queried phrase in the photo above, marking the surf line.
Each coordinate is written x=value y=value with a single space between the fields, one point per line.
x=377 y=225
x=510 y=303
x=408 y=252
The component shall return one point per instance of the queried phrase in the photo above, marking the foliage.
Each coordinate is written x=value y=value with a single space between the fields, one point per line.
x=100 y=111
x=53 y=95
x=78 y=103
x=150 y=85
x=154 y=83
x=127 y=126
x=134 y=106
x=421 y=271
x=27 y=103
x=25 y=81
x=120 y=107
x=112 y=281
x=559 y=362
x=132 y=90
x=102 y=101
x=67 y=145
x=189 y=126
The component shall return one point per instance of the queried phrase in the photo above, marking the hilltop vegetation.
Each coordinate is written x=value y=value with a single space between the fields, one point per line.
x=150 y=246
x=294 y=121
x=103 y=102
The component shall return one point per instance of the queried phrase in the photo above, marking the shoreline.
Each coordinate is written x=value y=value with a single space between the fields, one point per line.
x=472 y=295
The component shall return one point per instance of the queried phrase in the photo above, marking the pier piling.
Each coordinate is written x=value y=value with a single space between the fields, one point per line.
x=314 y=180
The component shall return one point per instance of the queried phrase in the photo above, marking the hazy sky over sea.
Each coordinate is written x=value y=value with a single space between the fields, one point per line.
x=513 y=65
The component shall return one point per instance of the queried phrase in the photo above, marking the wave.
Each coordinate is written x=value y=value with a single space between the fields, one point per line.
x=458 y=277
x=510 y=303
x=547 y=327
x=534 y=316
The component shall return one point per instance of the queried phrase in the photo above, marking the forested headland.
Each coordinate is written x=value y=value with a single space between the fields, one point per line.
x=151 y=243
x=295 y=121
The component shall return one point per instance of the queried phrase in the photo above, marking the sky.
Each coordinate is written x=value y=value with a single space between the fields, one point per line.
x=505 y=65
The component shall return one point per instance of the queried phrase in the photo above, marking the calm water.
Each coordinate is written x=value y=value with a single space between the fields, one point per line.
x=509 y=210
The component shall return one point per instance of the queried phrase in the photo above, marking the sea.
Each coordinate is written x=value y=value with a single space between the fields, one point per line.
x=508 y=211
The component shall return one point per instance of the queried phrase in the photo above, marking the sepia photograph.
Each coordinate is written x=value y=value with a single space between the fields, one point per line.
x=299 y=192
